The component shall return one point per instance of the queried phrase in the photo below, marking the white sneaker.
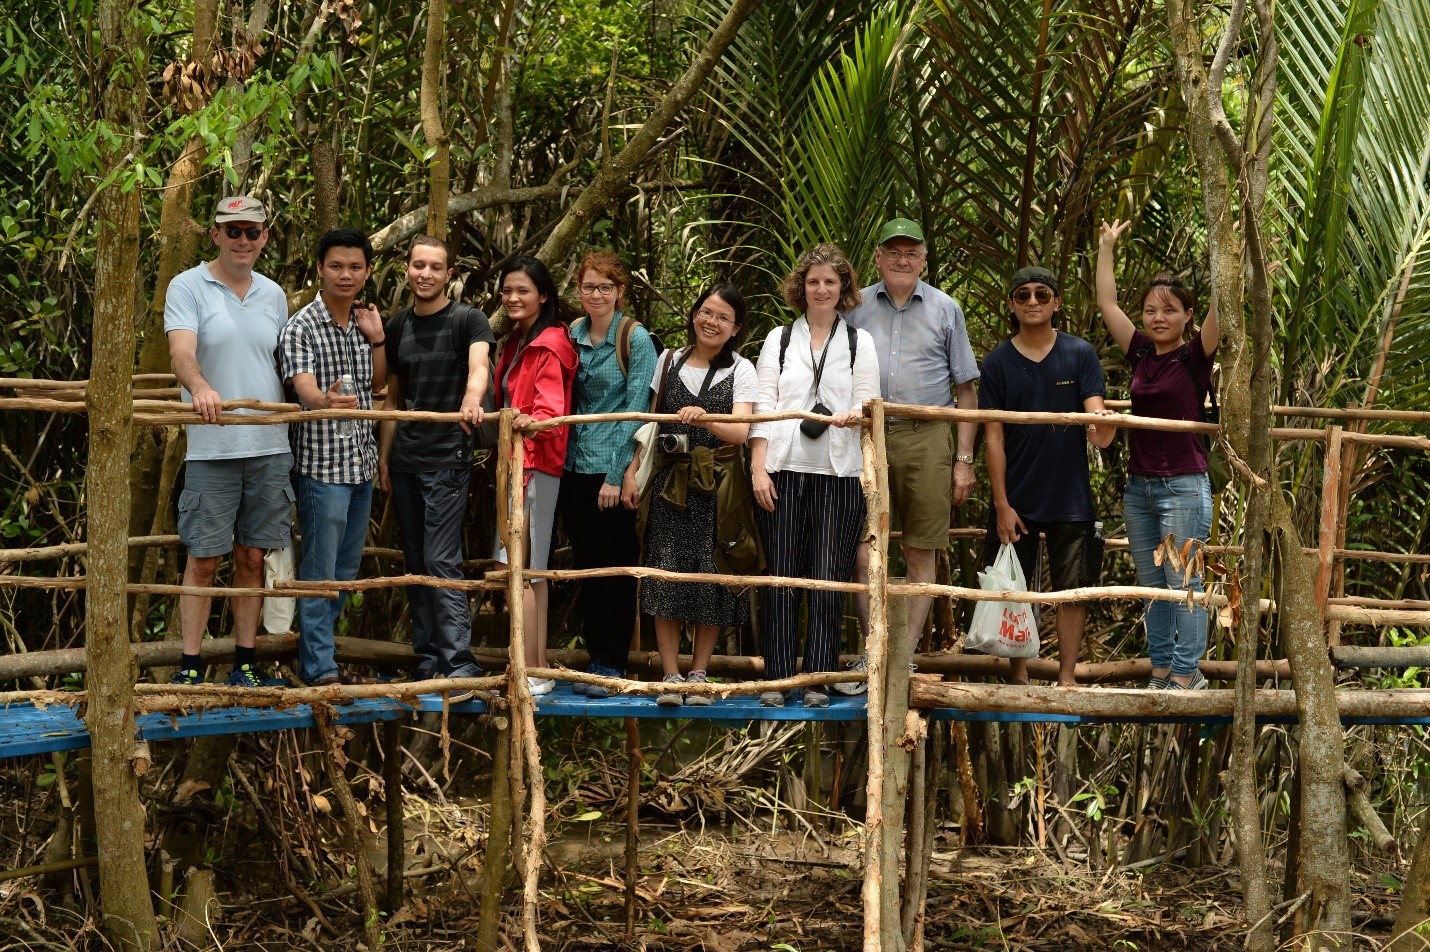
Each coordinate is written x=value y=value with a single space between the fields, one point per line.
x=538 y=686
x=861 y=666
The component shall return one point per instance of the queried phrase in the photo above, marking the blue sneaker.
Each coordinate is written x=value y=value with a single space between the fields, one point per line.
x=187 y=676
x=600 y=690
x=244 y=676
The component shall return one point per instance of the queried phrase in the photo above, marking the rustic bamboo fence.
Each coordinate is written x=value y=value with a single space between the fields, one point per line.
x=896 y=718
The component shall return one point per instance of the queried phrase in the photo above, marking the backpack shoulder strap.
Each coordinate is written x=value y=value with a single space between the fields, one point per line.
x=396 y=328
x=853 y=343
x=624 y=330
x=785 y=334
x=461 y=327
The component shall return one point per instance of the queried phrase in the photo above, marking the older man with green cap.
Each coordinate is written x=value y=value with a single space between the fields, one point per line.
x=924 y=358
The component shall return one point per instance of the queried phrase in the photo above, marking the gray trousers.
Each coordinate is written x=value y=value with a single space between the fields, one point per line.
x=430 y=509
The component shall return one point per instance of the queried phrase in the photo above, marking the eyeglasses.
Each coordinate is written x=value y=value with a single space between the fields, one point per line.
x=705 y=314
x=1025 y=294
x=909 y=256
x=252 y=234
x=605 y=290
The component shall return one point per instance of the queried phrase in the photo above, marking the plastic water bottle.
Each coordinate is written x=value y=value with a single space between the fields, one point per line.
x=347 y=429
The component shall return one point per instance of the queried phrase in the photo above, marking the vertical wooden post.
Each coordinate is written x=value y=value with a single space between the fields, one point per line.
x=633 y=811
x=396 y=822
x=897 y=761
x=525 y=755
x=352 y=822
x=498 y=840
x=1326 y=536
x=876 y=489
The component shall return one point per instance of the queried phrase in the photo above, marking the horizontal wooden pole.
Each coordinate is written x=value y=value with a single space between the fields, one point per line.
x=68 y=549
x=1101 y=702
x=183 y=697
x=709 y=578
x=149 y=654
x=1318 y=413
x=76 y=583
x=291 y=586
x=1373 y=656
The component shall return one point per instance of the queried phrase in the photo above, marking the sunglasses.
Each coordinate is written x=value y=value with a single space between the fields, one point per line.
x=252 y=234
x=1025 y=294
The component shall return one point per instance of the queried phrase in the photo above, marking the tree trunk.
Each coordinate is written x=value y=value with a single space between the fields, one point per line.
x=433 y=129
x=1414 y=900
x=128 y=914
x=178 y=244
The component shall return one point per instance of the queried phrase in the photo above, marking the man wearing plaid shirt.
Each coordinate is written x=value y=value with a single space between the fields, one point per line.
x=334 y=461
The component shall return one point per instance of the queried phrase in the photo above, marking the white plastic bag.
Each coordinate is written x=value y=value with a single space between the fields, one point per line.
x=278 y=613
x=1004 y=629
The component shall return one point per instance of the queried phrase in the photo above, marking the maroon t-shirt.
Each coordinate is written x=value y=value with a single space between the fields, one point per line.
x=1172 y=386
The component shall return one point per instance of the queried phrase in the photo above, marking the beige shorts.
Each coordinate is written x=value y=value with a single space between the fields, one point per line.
x=920 y=454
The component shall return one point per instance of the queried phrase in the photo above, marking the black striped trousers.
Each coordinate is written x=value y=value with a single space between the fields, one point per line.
x=813 y=532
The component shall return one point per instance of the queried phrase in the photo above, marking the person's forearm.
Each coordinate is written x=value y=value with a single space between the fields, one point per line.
x=967 y=395
x=387 y=430
x=1106 y=281
x=379 y=368
x=186 y=369
x=730 y=432
x=759 y=449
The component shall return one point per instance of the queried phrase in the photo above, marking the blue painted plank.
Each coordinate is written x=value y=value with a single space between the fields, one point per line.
x=30 y=730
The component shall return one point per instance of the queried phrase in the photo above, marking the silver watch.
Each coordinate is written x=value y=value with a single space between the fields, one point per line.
x=964 y=458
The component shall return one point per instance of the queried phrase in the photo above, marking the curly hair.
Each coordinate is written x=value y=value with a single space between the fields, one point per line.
x=792 y=288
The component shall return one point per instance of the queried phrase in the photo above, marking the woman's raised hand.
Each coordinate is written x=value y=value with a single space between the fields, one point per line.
x=1108 y=234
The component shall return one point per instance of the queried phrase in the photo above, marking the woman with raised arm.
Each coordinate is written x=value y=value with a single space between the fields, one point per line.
x=617 y=360
x=806 y=475
x=695 y=512
x=1168 y=489
x=533 y=376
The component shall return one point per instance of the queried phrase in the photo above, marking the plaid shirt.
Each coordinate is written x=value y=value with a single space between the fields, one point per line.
x=312 y=343
x=607 y=448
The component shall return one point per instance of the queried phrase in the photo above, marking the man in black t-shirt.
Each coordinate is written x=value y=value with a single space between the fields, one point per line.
x=426 y=466
x=1038 y=472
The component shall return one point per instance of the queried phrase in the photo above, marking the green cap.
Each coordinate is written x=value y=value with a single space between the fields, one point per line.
x=901 y=228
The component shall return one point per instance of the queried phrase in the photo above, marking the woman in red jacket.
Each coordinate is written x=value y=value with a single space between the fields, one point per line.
x=534 y=374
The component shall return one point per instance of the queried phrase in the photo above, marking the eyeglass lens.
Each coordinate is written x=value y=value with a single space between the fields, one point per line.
x=602 y=289
x=1024 y=295
x=252 y=234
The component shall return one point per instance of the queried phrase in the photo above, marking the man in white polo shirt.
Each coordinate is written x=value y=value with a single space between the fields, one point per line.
x=222 y=319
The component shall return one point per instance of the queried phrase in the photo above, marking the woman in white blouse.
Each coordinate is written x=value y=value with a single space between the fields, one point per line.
x=806 y=476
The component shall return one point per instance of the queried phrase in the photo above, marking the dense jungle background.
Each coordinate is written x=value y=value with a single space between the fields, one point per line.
x=708 y=140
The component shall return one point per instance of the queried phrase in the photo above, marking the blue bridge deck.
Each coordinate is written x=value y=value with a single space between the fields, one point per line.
x=26 y=729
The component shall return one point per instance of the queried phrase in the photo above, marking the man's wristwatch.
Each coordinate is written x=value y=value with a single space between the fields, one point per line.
x=964 y=458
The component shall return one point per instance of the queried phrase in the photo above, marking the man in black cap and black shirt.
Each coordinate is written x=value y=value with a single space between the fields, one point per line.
x=1038 y=472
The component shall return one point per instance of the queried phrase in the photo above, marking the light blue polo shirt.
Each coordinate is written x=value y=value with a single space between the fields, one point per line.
x=237 y=342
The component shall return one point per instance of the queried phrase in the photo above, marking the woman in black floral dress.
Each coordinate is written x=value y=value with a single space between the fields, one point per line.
x=680 y=503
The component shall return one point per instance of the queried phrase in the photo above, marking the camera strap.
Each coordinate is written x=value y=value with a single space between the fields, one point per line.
x=823 y=356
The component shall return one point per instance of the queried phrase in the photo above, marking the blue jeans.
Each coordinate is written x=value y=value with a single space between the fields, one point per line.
x=1155 y=507
x=332 y=518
